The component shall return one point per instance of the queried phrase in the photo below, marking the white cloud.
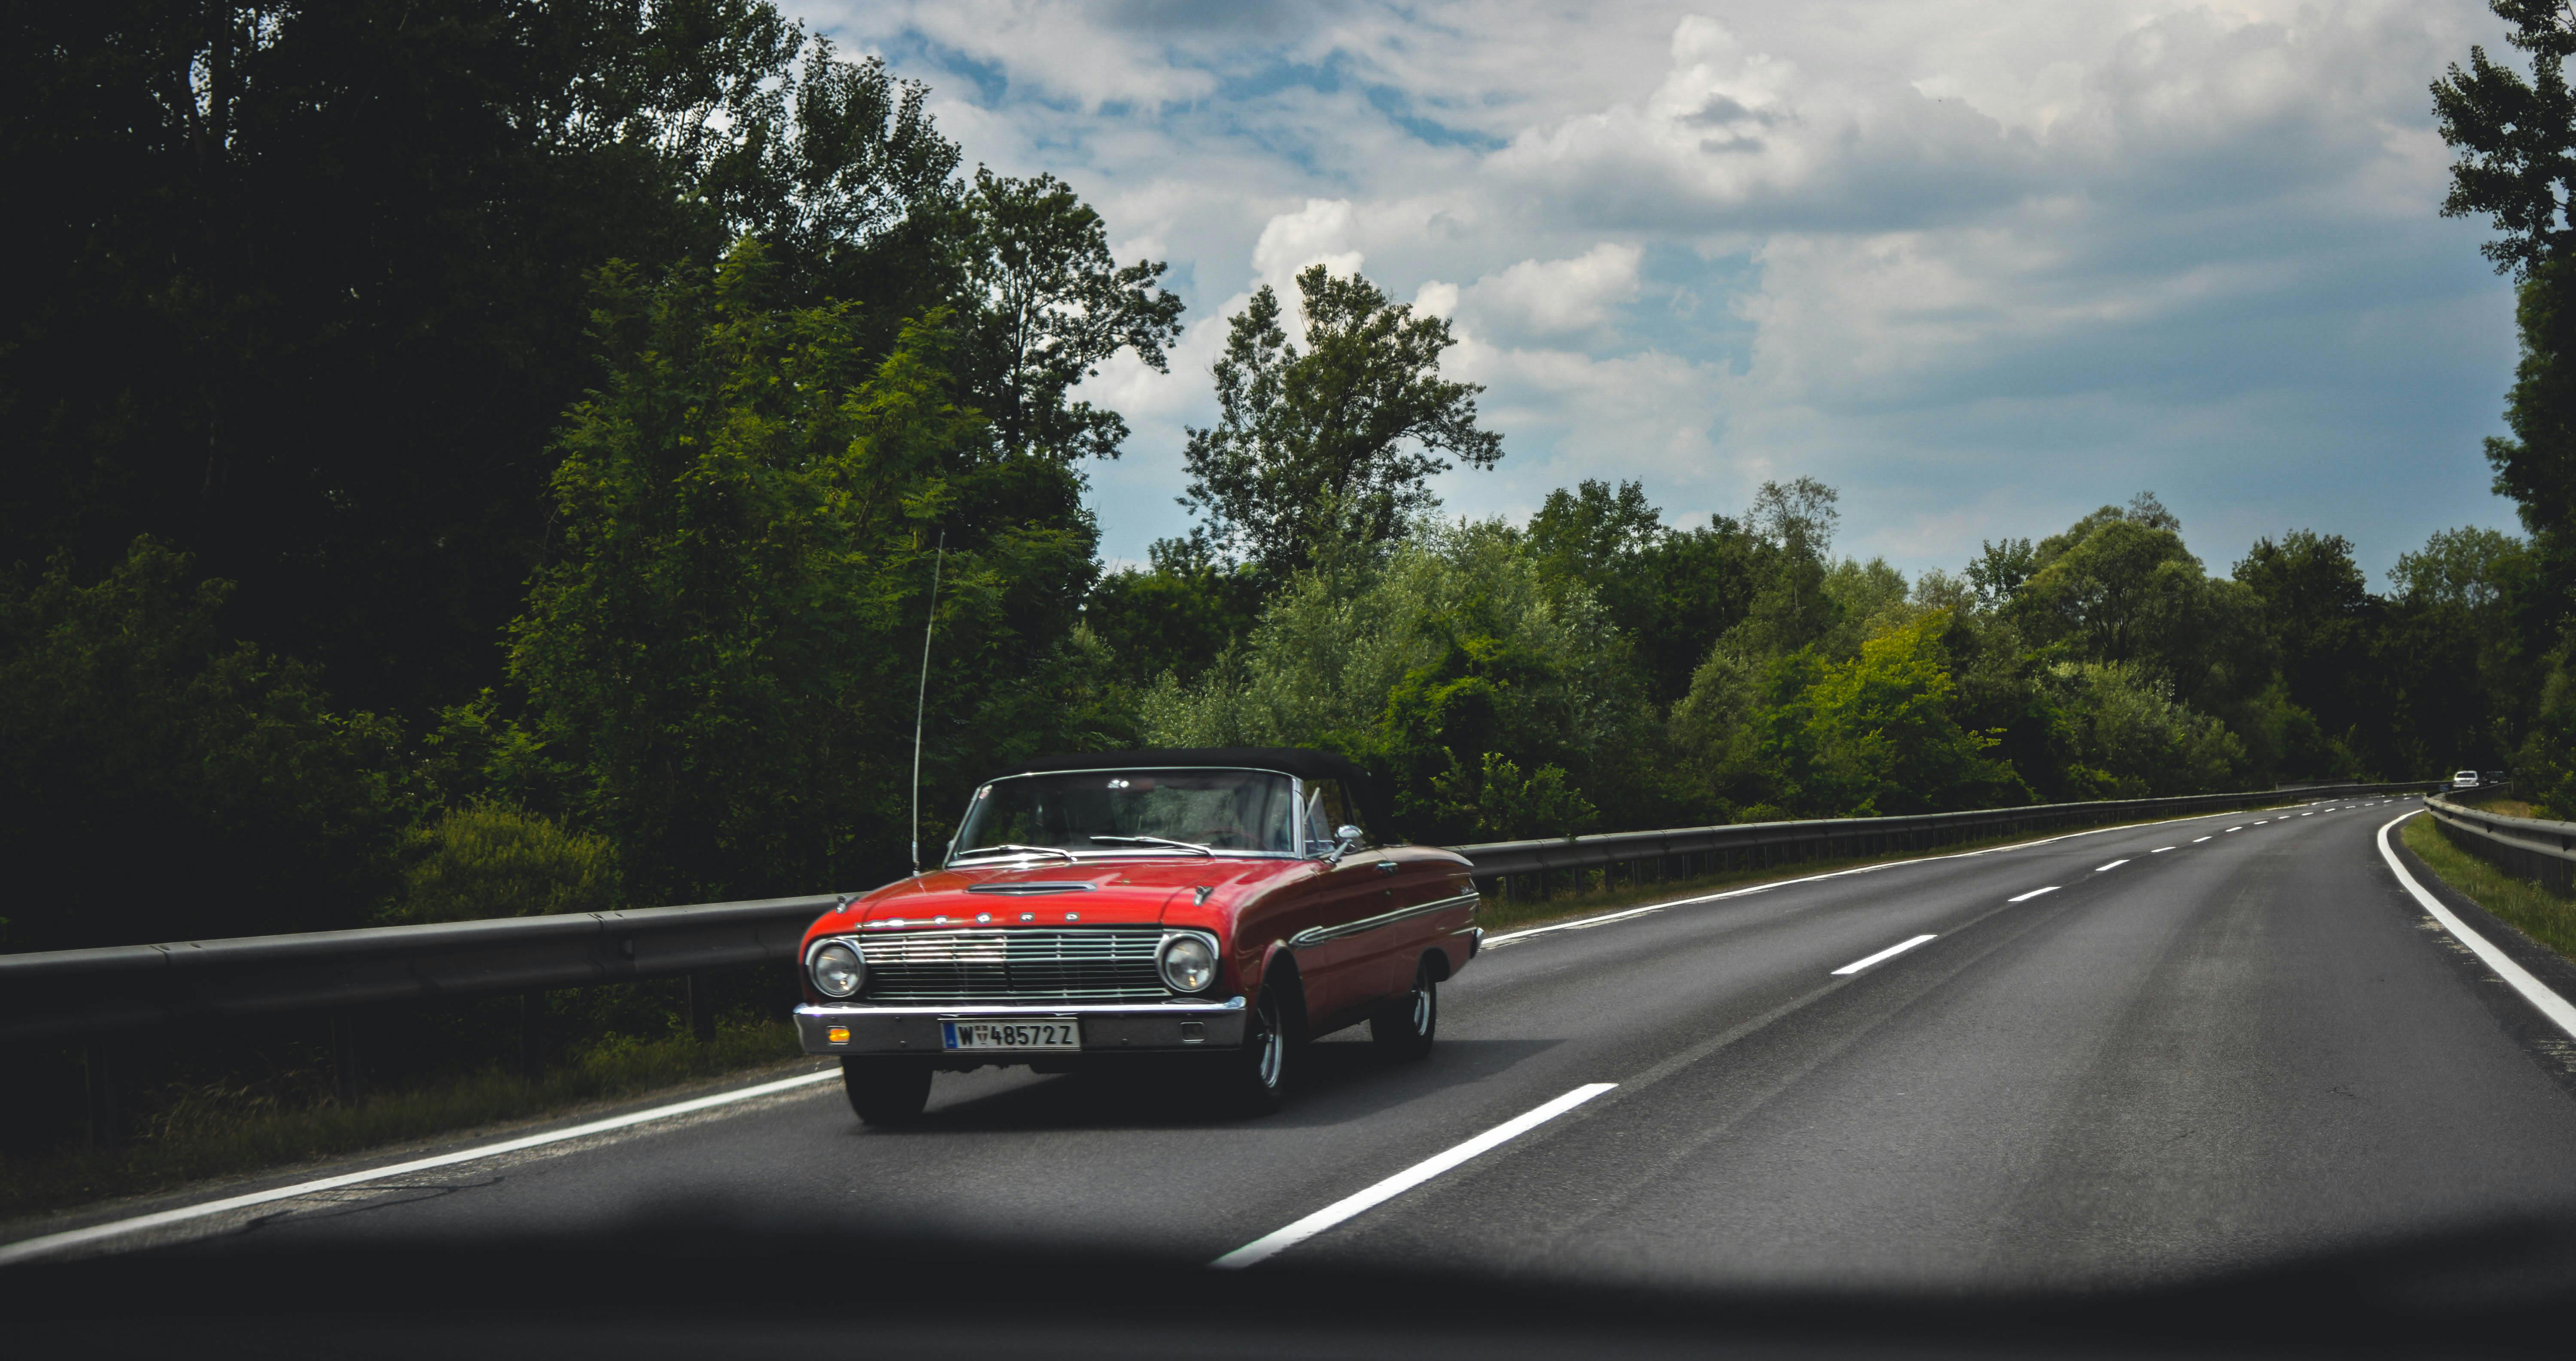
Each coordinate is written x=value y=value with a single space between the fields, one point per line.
x=1554 y=297
x=1317 y=234
x=1054 y=51
x=1984 y=265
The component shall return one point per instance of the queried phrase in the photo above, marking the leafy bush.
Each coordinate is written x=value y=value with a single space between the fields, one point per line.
x=1879 y=734
x=2128 y=738
x=165 y=785
x=1496 y=802
x=1455 y=661
x=491 y=859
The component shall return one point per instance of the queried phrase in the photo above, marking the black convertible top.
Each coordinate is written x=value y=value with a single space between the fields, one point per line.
x=1302 y=762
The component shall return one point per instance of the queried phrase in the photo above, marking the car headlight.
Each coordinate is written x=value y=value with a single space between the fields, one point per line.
x=1188 y=964
x=838 y=971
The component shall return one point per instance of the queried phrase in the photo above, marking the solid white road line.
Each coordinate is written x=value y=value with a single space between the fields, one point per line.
x=2160 y=850
x=2026 y=897
x=1890 y=952
x=2097 y=869
x=1271 y=1245
x=1582 y=923
x=2532 y=989
x=1587 y=923
x=27 y=1248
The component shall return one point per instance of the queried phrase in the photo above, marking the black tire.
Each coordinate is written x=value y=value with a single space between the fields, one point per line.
x=1404 y=1027
x=886 y=1091
x=1253 y=1080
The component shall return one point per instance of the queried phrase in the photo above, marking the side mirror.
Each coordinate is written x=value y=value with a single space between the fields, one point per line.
x=1347 y=839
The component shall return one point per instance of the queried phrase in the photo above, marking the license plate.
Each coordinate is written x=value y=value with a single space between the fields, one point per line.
x=1012 y=1034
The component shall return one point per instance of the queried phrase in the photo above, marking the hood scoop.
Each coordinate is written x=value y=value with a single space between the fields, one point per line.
x=1024 y=888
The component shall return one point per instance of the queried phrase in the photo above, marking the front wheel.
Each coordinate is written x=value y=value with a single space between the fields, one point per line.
x=1253 y=1080
x=886 y=1091
x=1402 y=1029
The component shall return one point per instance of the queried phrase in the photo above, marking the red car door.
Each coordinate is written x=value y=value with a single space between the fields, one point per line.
x=1342 y=956
x=1435 y=899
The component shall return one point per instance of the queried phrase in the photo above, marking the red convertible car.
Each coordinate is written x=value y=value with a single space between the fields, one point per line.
x=1207 y=907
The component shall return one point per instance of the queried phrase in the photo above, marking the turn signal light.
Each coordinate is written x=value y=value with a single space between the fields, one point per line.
x=839 y=1034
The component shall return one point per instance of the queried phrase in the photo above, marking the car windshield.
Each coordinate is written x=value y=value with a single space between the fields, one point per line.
x=1130 y=812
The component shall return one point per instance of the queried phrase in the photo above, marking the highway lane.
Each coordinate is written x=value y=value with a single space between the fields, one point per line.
x=2200 y=1047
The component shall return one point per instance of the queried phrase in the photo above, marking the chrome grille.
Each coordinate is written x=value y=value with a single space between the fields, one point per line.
x=1100 y=964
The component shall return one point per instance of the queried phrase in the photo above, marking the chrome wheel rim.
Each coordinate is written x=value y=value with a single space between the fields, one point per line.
x=1421 y=1009
x=1273 y=1048
x=1271 y=1055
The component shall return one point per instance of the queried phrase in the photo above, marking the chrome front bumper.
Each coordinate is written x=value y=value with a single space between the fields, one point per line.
x=1106 y=1027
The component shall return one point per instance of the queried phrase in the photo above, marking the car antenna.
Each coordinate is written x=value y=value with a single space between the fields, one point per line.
x=921 y=699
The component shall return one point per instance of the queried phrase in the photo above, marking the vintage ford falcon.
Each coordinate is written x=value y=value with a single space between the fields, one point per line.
x=1207 y=907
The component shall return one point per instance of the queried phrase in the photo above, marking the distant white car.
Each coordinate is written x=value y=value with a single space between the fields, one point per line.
x=2464 y=779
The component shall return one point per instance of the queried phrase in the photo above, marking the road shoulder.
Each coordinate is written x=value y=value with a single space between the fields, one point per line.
x=2549 y=1047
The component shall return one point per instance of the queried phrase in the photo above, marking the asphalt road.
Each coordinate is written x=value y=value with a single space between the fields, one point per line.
x=2247 y=1046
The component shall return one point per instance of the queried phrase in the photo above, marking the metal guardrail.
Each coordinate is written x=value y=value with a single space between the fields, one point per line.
x=109 y=997
x=68 y=994
x=2527 y=848
x=61 y=994
x=1689 y=851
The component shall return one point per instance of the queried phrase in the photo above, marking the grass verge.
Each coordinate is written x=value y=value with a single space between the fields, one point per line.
x=2521 y=903
x=1498 y=916
x=210 y=1139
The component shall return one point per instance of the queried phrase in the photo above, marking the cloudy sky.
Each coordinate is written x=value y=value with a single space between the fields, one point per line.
x=1981 y=266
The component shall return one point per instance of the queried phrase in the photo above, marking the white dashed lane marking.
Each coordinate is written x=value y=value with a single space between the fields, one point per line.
x=1890 y=952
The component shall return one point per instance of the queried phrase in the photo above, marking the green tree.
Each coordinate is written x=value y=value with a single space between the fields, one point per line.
x=1177 y=616
x=2120 y=586
x=2515 y=138
x=1043 y=306
x=835 y=166
x=2514 y=141
x=1878 y=734
x=1332 y=446
x=2324 y=621
x=2456 y=651
x=1457 y=646
x=302 y=286
x=138 y=747
x=1672 y=592
x=2000 y=569
x=2125 y=736
x=1795 y=521
x=718 y=668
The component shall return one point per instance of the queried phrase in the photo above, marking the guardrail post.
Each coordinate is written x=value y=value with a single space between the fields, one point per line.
x=532 y=1034
x=106 y=1109
x=702 y=1009
x=344 y=1056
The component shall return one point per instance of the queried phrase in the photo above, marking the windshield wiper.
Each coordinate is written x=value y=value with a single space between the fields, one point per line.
x=1010 y=847
x=1158 y=841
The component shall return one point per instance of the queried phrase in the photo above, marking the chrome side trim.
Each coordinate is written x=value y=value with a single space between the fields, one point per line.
x=972 y=1010
x=1317 y=935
